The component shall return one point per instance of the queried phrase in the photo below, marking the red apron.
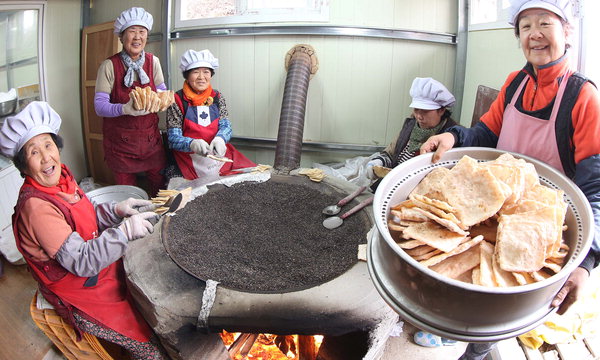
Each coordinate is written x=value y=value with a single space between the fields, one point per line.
x=132 y=143
x=194 y=166
x=531 y=136
x=108 y=302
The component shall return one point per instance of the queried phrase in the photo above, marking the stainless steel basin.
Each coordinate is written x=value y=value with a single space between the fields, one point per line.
x=455 y=309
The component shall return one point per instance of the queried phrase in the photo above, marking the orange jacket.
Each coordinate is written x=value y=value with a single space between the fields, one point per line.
x=540 y=92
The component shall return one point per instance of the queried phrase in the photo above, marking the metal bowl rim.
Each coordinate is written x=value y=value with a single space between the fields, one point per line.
x=460 y=336
x=408 y=165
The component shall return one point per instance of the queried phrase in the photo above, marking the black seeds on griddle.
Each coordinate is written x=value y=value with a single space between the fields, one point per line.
x=264 y=237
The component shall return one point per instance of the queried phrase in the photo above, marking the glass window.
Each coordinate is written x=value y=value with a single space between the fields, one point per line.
x=193 y=13
x=20 y=62
x=488 y=14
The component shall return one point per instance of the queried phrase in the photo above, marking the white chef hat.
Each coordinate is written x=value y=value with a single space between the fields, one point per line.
x=35 y=119
x=192 y=59
x=562 y=8
x=429 y=94
x=133 y=16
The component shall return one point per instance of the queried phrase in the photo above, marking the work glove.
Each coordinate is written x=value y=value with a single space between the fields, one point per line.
x=133 y=206
x=139 y=225
x=129 y=110
x=375 y=162
x=217 y=145
x=200 y=147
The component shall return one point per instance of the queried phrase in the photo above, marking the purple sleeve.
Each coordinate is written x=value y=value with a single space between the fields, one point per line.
x=104 y=107
x=161 y=87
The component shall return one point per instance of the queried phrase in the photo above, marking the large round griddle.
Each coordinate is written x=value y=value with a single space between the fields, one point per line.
x=264 y=237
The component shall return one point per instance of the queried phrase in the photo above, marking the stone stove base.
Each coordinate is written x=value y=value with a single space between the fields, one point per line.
x=170 y=300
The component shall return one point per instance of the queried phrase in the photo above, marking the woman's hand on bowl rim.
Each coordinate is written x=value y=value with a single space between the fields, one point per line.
x=439 y=143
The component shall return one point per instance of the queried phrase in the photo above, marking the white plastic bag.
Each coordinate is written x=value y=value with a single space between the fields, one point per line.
x=353 y=170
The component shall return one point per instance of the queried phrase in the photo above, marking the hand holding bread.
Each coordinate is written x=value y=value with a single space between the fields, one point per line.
x=146 y=99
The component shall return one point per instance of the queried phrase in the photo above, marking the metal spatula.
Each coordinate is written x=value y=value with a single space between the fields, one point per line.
x=173 y=203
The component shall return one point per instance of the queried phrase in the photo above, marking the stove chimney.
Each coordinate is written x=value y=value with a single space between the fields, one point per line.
x=301 y=64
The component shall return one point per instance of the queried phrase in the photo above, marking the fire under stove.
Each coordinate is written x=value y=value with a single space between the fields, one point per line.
x=188 y=313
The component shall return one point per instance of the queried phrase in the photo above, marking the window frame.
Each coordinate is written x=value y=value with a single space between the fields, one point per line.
x=317 y=12
x=502 y=15
x=40 y=6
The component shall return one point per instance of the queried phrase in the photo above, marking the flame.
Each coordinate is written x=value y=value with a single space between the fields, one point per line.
x=270 y=347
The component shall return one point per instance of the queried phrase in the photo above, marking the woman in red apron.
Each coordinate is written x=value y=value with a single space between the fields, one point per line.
x=132 y=142
x=72 y=249
x=546 y=111
x=198 y=124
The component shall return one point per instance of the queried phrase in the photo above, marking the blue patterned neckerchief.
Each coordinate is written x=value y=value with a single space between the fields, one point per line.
x=136 y=66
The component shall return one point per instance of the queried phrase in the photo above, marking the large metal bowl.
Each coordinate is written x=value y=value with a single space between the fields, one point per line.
x=452 y=308
x=8 y=107
x=116 y=193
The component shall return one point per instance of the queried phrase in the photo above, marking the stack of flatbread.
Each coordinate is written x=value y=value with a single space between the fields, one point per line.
x=490 y=223
x=316 y=175
x=146 y=99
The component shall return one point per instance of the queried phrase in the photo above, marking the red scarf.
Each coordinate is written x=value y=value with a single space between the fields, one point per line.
x=198 y=99
x=66 y=183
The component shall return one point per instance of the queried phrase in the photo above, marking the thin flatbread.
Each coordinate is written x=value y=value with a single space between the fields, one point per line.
x=425 y=203
x=486 y=271
x=474 y=192
x=410 y=244
x=381 y=171
x=428 y=255
x=458 y=264
x=218 y=158
x=406 y=203
x=442 y=205
x=434 y=235
x=503 y=278
x=475 y=276
x=419 y=250
x=457 y=250
x=488 y=231
x=525 y=239
x=136 y=99
x=411 y=214
x=446 y=223
x=394 y=226
x=523 y=278
x=432 y=184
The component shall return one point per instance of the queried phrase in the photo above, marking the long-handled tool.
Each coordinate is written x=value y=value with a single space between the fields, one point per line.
x=336 y=221
x=335 y=209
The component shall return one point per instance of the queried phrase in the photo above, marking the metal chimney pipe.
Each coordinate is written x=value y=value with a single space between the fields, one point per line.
x=301 y=63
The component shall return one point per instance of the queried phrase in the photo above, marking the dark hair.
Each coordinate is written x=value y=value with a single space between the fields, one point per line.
x=21 y=162
x=187 y=72
x=446 y=114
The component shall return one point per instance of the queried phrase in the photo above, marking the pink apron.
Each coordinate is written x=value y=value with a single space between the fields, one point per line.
x=529 y=135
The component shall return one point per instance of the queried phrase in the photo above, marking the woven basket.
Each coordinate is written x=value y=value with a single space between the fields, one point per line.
x=63 y=335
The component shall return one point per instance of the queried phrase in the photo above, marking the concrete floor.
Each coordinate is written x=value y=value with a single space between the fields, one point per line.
x=404 y=347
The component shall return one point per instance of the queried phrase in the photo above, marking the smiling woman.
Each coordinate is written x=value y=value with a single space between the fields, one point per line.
x=547 y=111
x=198 y=125
x=43 y=159
x=132 y=142
x=543 y=36
x=77 y=264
